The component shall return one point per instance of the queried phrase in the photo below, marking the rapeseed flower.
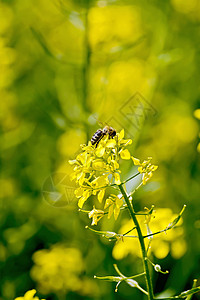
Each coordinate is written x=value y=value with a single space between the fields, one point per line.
x=145 y=168
x=57 y=269
x=29 y=295
x=96 y=215
x=97 y=167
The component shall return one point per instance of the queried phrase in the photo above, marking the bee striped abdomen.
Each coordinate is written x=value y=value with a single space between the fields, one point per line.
x=96 y=136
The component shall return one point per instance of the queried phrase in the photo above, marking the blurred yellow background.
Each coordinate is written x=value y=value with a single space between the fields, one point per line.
x=65 y=65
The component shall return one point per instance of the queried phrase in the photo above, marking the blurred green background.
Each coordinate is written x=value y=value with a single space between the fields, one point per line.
x=64 y=65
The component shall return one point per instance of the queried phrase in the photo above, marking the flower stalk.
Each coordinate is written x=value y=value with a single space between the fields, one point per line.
x=142 y=245
x=96 y=169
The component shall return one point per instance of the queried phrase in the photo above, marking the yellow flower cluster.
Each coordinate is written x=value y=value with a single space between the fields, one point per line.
x=113 y=203
x=60 y=270
x=98 y=167
x=57 y=269
x=29 y=296
x=145 y=168
x=96 y=215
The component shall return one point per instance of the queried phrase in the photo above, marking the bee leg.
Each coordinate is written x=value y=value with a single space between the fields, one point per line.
x=99 y=140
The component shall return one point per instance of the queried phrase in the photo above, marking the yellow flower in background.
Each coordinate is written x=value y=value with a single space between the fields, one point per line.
x=114 y=24
x=73 y=138
x=162 y=244
x=29 y=296
x=191 y=8
x=57 y=269
x=197 y=115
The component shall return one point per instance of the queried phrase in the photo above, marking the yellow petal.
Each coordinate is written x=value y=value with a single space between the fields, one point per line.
x=72 y=162
x=125 y=154
x=115 y=164
x=86 y=195
x=101 y=195
x=94 y=220
x=136 y=161
x=81 y=201
x=29 y=295
x=119 y=202
x=197 y=113
x=79 y=192
x=117 y=178
x=100 y=151
x=154 y=168
x=91 y=213
x=121 y=134
x=88 y=162
x=98 y=165
x=109 y=159
x=110 y=211
x=79 y=175
x=100 y=181
x=111 y=143
x=140 y=169
x=126 y=142
x=116 y=212
x=108 y=203
x=73 y=176
x=81 y=157
x=82 y=178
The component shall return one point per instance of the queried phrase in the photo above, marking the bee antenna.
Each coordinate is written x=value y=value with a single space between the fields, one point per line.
x=97 y=120
x=101 y=123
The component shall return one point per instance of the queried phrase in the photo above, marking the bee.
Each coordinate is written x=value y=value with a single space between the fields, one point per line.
x=100 y=133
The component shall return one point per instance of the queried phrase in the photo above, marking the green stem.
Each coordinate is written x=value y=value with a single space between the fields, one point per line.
x=131 y=177
x=142 y=245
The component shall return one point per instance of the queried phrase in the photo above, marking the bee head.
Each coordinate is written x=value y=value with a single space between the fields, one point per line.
x=114 y=132
x=105 y=130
